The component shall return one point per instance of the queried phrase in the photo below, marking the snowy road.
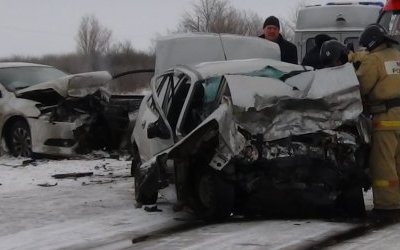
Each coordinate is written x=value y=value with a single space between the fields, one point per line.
x=98 y=212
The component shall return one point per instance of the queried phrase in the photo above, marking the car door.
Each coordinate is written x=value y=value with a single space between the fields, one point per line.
x=158 y=122
x=151 y=117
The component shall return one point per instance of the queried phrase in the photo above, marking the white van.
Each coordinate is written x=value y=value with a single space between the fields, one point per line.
x=343 y=21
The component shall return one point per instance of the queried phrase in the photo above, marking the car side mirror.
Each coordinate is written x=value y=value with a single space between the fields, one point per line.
x=158 y=129
x=1 y=94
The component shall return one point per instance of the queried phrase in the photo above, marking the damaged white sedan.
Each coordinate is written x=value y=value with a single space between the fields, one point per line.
x=45 y=111
x=245 y=136
x=232 y=134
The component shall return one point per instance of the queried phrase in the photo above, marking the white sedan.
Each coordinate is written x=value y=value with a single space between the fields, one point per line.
x=44 y=110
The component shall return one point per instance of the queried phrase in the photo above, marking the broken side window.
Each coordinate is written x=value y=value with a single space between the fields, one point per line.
x=176 y=99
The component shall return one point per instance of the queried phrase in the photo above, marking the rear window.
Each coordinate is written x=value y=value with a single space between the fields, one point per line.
x=310 y=43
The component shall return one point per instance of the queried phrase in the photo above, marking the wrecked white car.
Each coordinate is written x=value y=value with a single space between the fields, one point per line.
x=248 y=136
x=45 y=111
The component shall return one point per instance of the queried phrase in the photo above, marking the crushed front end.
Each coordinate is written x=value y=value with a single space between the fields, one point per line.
x=308 y=172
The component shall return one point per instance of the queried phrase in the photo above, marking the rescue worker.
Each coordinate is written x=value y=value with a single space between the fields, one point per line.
x=312 y=57
x=271 y=29
x=379 y=77
x=333 y=53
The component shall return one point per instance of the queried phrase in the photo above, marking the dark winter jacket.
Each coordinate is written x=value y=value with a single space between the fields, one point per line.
x=312 y=58
x=288 y=50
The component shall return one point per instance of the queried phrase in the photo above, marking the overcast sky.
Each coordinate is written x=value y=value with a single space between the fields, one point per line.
x=38 y=27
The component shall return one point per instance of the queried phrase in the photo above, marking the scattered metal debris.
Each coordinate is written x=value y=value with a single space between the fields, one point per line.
x=98 y=182
x=72 y=175
x=47 y=184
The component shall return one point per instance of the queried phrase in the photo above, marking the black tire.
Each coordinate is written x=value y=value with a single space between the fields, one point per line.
x=351 y=202
x=19 y=140
x=214 y=196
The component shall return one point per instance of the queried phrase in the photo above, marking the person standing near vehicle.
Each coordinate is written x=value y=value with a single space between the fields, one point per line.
x=312 y=57
x=379 y=77
x=271 y=29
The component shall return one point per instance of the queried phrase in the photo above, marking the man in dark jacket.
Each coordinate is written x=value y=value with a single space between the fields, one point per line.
x=271 y=32
x=312 y=57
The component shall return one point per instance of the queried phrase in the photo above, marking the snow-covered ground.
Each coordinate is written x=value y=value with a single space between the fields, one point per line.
x=38 y=211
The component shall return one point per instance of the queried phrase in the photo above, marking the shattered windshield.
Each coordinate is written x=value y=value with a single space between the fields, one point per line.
x=268 y=71
x=22 y=77
x=211 y=86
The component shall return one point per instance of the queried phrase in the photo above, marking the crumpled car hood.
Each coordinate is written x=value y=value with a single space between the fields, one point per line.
x=78 y=85
x=305 y=103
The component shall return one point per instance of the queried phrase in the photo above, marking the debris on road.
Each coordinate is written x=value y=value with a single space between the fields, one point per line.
x=72 y=175
x=98 y=182
x=47 y=184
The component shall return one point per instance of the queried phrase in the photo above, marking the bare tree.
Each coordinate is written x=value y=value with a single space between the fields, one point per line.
x=219 y=16
x=93 y=39
x=288 y=25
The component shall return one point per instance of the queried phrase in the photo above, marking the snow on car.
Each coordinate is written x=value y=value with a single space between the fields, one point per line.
x=43 y=110
x=252 y=136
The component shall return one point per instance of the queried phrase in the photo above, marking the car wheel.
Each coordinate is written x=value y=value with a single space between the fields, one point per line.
x=19 y=140
x=351 y=202
x=214 y=197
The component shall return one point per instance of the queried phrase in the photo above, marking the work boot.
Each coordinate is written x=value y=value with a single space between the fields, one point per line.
x=385 y=215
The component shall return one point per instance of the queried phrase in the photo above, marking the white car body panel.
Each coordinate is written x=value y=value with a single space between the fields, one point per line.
x=331 y=98
x=78 y=85
x=193 y=48
x=42 y=130
x=139 y=136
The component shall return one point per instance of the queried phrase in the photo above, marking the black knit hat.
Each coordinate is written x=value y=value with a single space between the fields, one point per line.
x=272 y=20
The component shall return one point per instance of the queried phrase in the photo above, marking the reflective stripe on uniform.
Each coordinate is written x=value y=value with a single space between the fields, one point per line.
x=385 y=183
x=393 y=125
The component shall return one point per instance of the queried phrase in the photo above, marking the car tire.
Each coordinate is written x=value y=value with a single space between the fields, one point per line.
x=214 y=196
x=351 y=202
x=19 y=140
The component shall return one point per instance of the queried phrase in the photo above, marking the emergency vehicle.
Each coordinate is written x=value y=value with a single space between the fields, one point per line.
x=343 y=21
x=390 y=18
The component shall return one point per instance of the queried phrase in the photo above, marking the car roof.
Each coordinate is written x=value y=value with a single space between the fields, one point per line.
x=192 y=48
x=210 y=69
x=336 y=17
x=21 y=64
